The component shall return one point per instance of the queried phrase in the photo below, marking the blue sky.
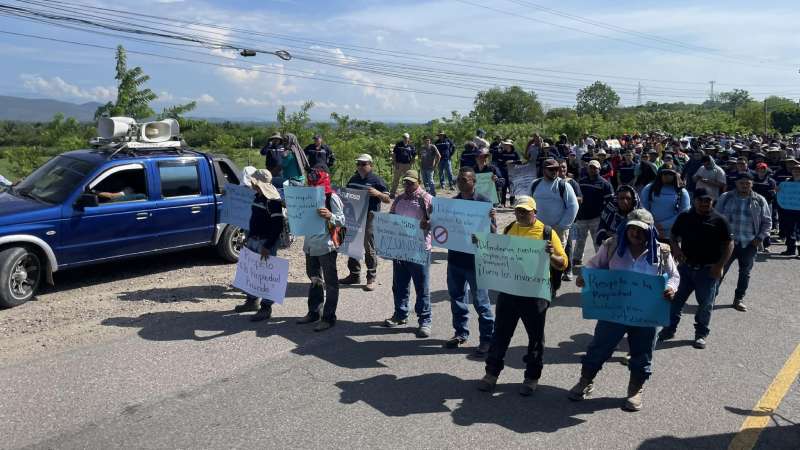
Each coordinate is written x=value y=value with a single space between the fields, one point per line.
x=672 y=48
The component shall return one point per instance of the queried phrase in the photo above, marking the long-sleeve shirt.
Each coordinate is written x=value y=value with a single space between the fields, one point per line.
x=322 y=244
x=749 y=217
x=596 y=193
x=553 y=210
x=266 y=220
x=666 y=206
x=607 y=258
x=446 y=148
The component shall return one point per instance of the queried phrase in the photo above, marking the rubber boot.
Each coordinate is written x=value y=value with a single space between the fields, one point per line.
x=263 y=314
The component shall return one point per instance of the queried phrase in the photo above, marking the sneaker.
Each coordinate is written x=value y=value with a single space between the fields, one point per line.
x=455 y=342
x=424 y=331
x=787 y=253
x=351 y=279
x=699 y=343
x=393 y=321
x=665 y=335
x=527 y=387
x=263 y=314
x=482 y=349
x=370 y=286
x=308 y=318
x=324 y=325
x=634 y=400
x=577 y=262
x=581 y=390
x=487 y=383
x=566 y=277
x=626 y=360
x=739 y=305
x=247 y=306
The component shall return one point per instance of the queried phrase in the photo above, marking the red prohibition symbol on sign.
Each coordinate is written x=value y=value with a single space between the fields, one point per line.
x=440 y=234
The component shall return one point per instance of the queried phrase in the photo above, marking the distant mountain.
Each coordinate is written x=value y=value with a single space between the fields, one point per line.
x=43 y=110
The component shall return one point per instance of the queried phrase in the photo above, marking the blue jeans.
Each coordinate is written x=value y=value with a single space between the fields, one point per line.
x=641 y=340
x=461 y=283
x=427 y=181
x=704 y=286
x=255 y=245
x=402 y=275
x=746 y=257
x=446 y=169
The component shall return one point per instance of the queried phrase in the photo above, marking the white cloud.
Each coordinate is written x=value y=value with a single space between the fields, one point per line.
x=205 y=98
x=56 y=87
x=165 y=96
x=252 y=102
x=259 y=80
x=341 y=58
x=458 y=46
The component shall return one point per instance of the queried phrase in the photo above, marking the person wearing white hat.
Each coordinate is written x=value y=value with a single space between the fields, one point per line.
x=403 y=157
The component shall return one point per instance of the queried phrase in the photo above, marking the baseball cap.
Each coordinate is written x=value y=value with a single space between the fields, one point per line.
x=762 y=166
x=744 y=176
x=702 y=192
x=406 y=135
x=550 y=162
x=640 y=218
x=525 y=202
x=601 y=152
x=364 y=158
x=594 y=163
x=411 y=175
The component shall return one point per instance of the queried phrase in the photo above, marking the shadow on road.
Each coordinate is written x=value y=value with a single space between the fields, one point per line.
x=197 y=294
x=772 y=438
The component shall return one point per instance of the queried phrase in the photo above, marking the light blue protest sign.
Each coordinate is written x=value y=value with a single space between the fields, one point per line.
x=399 y=238
x=789 y=195
x=454 y=221
x=236 y=205
x=302 y=203
x=521 y=177
x=485 y=186
x=513 y=264
x=625 y=297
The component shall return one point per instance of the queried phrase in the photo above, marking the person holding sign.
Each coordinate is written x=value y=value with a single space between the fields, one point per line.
x=633 y=249
x=482 y=166
x=263 y=234
x=531 y=310
x=414 y=202
x=320 y=250
x=790 y=218
x=461 y=279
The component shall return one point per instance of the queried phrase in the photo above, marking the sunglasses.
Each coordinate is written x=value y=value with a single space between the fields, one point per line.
x=362 y=163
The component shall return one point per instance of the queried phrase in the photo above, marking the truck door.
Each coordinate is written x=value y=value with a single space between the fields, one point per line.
x=186 y=209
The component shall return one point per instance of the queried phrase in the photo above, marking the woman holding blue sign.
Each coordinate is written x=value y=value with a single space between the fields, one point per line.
x=635 y=249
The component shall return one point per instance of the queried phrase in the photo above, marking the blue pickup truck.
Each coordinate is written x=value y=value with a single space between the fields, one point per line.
x=111 y=202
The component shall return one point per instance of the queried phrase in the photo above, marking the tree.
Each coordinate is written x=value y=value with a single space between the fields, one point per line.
x=510 y=105
x=733 y=100
x=131 y=101
x=177 y=111
x=597 y=98
x=784 y=113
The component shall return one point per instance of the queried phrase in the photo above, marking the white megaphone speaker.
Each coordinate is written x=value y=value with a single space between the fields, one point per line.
x=160 y=131
x=114 y=127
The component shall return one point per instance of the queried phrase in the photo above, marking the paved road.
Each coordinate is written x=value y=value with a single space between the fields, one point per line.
x=211 y=379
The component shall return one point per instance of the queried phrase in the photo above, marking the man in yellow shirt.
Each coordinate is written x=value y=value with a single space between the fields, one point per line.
x=511 y=308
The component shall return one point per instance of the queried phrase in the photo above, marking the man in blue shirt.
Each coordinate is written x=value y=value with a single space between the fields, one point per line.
x=403 y=157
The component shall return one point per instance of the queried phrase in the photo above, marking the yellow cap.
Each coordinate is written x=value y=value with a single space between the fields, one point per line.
x=525 y=202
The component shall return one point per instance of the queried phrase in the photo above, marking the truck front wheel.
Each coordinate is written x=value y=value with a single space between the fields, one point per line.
x=21 y=272
x=230 y=243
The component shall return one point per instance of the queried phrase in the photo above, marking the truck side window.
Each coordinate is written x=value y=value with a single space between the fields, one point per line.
x=224 y=175
x=126 y=183
x=179 y=179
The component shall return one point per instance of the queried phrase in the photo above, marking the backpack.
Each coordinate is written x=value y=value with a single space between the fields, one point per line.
x=555 y=274
x=562 y=188
x=337 y=233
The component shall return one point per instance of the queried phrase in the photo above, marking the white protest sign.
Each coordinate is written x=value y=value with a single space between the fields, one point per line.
x=263 y=279
x=399 y=238
x=454 y=221
x=521 y=177
x=236 y=205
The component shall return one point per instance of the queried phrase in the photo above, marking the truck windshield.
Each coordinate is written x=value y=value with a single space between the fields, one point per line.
x=55 y=180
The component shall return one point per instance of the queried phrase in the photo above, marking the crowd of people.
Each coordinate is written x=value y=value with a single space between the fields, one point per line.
x=684 y=208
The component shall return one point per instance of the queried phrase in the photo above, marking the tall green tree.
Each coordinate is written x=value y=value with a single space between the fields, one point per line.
x=509 y=105
x=733 y=100
x=598 y=98
x=132 y=99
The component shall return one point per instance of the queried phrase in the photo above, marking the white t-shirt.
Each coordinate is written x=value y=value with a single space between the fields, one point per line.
x=714 y=174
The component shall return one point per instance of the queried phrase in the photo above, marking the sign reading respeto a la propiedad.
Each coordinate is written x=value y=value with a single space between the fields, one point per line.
x=454 y=221
x=262 y=278
x=625 y=297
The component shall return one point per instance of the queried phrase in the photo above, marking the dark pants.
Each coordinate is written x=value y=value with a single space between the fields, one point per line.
x=746 y=257
x=790 y=227
x=695 y=279
x=370 y=256
x=641 y=340
x=510 y=309
x=324 y=287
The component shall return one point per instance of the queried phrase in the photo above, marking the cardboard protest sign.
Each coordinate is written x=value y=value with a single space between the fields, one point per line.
x=399 y=238
x=302 y=204
x=454 y=221
x=789 y=195
x=625 y=297
x=512 y=264
x=486 y=187
x=263 y=279
x=356 y=208
x=236 y=205
x=521 y=177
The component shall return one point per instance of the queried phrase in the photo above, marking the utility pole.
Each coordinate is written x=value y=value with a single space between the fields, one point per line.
x=711 y=94
x=639 y=94
x=766 y=117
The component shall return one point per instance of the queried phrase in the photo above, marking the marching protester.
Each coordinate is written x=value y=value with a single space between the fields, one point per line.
x=319 y=153
x=320 y=251
x=503 y=159
x=563 y=174
x=636 y=249
x=701 y=243
x=648 y=171
x=532 y=311
x=765 y=185
x=709 y=176
x=294 y=160
x=482 y=165
x=416 y=203
x=790 y=219
x=446 y=149
x=665 y=199
x=596 y=193
x=366 y=179
x=469 y=155
x=429 y=160
x=403 y=157
x=615 y=213
x=273 y=151
x=750 y=220
x=461 y=279
x=690 y=169
x=263 y=235
x=627 y=169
